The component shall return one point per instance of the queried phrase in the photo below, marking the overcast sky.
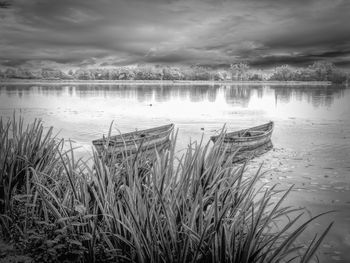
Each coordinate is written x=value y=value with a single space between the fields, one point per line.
x=260 y=32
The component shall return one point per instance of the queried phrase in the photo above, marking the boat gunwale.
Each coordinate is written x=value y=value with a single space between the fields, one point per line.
x=113 y=140
x=247 y=139
x=228 y=137
x=135 y=150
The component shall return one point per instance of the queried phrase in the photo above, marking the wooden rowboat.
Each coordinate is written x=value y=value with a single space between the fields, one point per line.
x=247 y=141
x=126 y=145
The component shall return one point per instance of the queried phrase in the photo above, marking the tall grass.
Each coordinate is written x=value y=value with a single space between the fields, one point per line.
x=196 y=208
x=22 y=147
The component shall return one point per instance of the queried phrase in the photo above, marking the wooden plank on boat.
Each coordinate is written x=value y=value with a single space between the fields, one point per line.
x=144 y=142
x=244 y=142
x=242 y=156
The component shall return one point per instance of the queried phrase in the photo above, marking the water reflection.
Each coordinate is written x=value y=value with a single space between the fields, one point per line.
x=239 y=105
x=239 y=95
x=318 y=96
x=233 y=95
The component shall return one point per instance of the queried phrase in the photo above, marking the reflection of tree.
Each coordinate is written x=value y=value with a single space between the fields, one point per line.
x=29 y=90
x=180 y=92
x=11 y=92
x=163 y=93
x=283 y=94
x=144 y=93
x=198 y=93
x=260 y=93
x=234 y=95
x=238 y=95
x=212 y=93
x=316 y=95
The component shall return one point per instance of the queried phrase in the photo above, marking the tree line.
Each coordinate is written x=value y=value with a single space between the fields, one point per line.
x=318 y=71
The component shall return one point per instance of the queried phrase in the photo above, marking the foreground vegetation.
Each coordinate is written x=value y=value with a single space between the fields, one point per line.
x=57 y=208
x=319 y=71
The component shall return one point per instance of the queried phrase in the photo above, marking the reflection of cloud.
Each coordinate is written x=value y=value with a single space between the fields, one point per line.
x=184 y=31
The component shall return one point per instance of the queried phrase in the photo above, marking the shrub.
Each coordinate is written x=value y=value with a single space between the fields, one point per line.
x=283 y=73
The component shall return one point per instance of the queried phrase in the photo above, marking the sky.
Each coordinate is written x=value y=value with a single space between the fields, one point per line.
x=261 y=33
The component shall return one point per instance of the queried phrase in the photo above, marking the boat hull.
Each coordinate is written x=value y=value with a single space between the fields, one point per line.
x=243 y=155
x=144 y=143
x=244 y=142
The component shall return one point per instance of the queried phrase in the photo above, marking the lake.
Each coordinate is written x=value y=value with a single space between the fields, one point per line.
x=311 y=137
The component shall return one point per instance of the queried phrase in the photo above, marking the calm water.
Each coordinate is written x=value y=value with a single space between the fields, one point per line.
x=311 y=137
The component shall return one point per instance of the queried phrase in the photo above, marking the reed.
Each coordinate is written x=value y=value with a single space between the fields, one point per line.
x=21 y=148
x=193 y=208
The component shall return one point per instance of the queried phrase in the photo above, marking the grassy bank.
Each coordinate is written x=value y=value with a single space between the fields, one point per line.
x=55 y=207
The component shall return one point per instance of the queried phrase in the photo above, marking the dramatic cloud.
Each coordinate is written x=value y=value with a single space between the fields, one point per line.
x=261 y=32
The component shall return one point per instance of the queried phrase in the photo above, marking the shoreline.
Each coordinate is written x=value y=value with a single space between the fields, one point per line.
x=157 y=82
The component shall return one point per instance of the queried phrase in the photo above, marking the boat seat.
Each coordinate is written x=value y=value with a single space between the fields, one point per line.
x=250 y=133
x=256 y=132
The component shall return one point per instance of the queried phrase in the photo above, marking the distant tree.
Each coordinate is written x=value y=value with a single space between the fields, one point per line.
x=96 y=73
x=220 y=75
x=201 y=73
x=338 y=76
x=51 y=73
x=113 y=74
x=22 y=73
x=283 y=73
x=187 y=73
x=66 y=76
x=327 y=71
x=10 y=73
x=305 y=74
x=148 y=73
x=255 y=77
x=323 y=69
x=239 y=71
x=172 y=73
x=83 y=74
x=125 y=73
x=100 y=73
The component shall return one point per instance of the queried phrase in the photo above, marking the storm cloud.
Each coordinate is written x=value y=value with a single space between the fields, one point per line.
x=210 y=32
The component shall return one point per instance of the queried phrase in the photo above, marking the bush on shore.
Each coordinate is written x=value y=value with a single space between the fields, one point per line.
x=196 y=208
x=319 y=71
